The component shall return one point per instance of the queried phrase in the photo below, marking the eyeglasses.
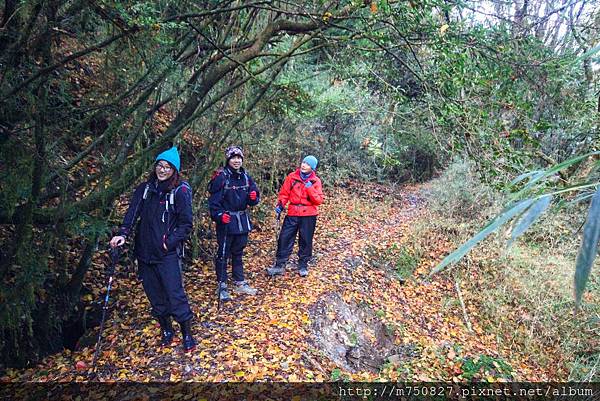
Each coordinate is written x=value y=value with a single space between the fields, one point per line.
x=163 y=167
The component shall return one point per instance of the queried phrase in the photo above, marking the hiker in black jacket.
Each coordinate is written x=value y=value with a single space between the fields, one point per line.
x=232 y=190
x=161 y=212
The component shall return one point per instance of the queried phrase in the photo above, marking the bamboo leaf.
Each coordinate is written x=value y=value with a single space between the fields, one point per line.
x=576 y=187
x=588 y=249
x=455 y=256
x=588 y=54
x=551 y=171
x=529 y=217
x=581 y=197
x=523 y=176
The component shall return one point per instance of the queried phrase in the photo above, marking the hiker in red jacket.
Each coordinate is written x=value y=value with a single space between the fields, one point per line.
x=302 y=190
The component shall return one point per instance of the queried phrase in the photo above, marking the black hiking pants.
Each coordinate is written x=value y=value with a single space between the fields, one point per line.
x=163 y=285
x=230 y=246
x=304 y=227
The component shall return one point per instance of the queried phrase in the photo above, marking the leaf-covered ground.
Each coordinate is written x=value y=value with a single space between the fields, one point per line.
x=361 y=237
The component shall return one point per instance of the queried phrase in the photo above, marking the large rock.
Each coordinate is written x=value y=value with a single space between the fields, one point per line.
x=352 y=335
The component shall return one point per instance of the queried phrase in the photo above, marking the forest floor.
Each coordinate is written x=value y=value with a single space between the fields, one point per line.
x=355 y=316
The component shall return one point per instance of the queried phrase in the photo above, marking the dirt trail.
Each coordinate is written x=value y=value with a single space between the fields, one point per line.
x=351 y=317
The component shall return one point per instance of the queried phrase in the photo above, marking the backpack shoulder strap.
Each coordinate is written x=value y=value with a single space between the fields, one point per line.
x=226 y=173
x=294 y=182
x=183 y=184
x=146 y=189
x=173 y=192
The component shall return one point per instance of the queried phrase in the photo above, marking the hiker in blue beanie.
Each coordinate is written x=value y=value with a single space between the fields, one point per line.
x=162 y=209
x=302 y=191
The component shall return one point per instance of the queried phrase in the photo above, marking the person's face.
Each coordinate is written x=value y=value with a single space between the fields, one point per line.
x=164 y=171
x=305 y=168
x=235 y=162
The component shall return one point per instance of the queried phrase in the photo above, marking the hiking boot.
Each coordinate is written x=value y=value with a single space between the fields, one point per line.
x=275 y=270
x=189 y=344
x=242 y=287
x=303 y=271
x=223 y=292
x=166 y=330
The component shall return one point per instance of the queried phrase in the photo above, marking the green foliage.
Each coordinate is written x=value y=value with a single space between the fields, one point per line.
x=485 y=366
x=338 y=375
x=584 y=368
x=87 y=226
x=589 y=247
x=401 y=259
x=21 y=290
x=530 y=290
x=505 y=216
x=529 y=202
x=15 y=174
x=528 y=218
x=460 y=194
x=322 y=109
x=486 y=105
x=406 y=262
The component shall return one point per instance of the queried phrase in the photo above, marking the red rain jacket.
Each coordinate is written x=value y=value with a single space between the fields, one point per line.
x=303 y=201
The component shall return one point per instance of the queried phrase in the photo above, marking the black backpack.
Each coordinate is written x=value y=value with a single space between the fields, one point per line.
x=226 y=186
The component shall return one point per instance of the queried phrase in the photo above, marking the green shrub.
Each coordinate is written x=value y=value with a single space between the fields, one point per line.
x=458 y=193
x=401 y=259
x=338 y=375
x=558 y=230
x=487 y=366
x=406 y=262
x=585 y=367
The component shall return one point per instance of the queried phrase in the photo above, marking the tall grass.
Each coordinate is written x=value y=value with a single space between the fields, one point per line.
x=525 y=294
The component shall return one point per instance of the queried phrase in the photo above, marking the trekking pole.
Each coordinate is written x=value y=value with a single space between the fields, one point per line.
x=277 y=230
x=114 y=259
x=222 y=273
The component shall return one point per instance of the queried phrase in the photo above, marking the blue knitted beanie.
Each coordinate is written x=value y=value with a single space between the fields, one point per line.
x=172 y=156
x=311 y=161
